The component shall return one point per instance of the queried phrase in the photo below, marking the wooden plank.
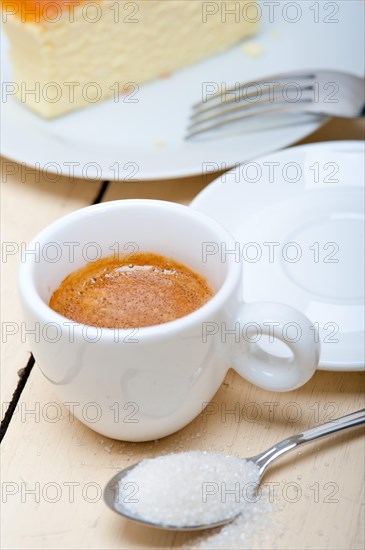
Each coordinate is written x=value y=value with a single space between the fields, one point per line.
x=47 y=456
x=48 y=448
x=29 y=201
x=181 y=190
x=338 y=129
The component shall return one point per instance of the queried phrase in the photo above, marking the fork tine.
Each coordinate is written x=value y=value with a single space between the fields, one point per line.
x=218 y=110
x=265 y=97
x=199 y=128
x=247 y=109
x=241 y=86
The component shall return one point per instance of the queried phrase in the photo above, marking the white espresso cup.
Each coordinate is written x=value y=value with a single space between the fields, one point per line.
x=143 y=384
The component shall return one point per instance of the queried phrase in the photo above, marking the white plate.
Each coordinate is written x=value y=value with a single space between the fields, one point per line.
x=145 y=140
x=298 y=218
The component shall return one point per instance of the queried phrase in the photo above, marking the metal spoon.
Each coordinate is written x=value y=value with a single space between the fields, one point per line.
x=262 y=461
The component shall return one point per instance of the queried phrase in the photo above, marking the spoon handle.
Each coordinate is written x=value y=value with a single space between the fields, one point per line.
x=344 y=422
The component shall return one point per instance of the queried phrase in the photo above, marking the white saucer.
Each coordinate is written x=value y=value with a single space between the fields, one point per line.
x=303 y=195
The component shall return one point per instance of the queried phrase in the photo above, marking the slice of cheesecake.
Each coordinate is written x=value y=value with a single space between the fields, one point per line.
x=68 y=54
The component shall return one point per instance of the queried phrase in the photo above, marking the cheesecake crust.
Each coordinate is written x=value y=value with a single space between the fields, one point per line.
x=39 y=11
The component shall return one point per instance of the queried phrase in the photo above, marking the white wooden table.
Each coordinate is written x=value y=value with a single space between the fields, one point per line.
x=53 y=467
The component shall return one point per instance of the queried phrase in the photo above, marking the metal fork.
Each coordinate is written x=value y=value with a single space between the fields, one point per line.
x=330 y=93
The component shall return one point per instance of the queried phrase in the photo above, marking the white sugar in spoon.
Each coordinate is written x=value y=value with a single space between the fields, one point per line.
x=262 y=461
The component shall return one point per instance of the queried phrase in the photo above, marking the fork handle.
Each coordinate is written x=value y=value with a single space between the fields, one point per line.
x=345 y=422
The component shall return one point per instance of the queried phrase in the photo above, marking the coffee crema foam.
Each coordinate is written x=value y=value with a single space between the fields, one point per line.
x=134 y=291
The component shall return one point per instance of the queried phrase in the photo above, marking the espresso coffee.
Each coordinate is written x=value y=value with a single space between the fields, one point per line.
x=135 y=291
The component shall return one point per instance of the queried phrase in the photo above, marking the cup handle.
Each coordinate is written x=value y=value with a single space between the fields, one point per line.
x=267 y=370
